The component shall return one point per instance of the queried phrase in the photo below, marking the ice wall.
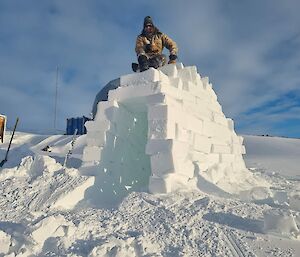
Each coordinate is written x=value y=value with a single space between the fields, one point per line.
x=161 y=129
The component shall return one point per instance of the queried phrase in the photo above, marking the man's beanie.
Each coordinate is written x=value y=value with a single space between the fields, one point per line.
x=148 y=20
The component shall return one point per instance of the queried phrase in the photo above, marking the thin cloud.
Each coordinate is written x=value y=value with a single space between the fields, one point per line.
x=250 y=51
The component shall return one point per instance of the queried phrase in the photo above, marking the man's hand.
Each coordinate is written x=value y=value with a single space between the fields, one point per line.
x=172 y=58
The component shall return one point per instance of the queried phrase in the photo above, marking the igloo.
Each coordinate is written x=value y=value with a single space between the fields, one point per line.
x=161 y=130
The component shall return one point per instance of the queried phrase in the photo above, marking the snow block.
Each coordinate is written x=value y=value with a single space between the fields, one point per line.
x=92 y=153
x=167 y=184
x=96 y=138
x=193 y=123
x=220 y=119
x=198 y=157
x=186 y=169
x=205 y=82
x=72 y=198
x=105 y=109
x=215 y=107
x=238 y=149
x=170 y=70
x=199 y=82
x=227 y=158
x=203 y=112
x=193 y=72
x=159 y=112
x=241 y=139
x=220 y=149
x=188 y=73
x=176 y=82
x=183 y=135
x=102 y=125
x=171 y=91
x=155 y=146
x=179 y=66
x=236 y=139
x=42 y=165
x=47 y=228
x=216 y=131
x=212 y=93
x=230 y=124
x=151 y=75
x=215 y=173
x=202 y=143
x=133 y=91
x=161 y=129
x=280 y=222
x=213 y=159
x=166 y=112
x=187 y=86
x=295 y=201
x=5 y=242
x=163 y=163
x=159 y=185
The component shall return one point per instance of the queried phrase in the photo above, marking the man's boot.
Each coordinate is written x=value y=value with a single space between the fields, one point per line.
x=143 y=62
x=135 y=66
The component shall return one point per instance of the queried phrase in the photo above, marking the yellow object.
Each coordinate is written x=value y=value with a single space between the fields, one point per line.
x=2 y=127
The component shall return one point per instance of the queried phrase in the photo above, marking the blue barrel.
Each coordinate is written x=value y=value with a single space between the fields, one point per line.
x=76 y=123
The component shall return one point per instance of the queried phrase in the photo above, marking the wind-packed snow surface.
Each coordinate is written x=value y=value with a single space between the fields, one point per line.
x=99 y=204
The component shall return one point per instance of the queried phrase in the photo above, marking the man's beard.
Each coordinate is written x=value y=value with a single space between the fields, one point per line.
x=149 y=34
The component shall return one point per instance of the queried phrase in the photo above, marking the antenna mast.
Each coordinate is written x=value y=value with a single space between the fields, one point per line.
x=56 y=93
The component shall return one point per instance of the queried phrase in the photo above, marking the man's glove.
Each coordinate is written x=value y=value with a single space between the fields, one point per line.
x=148 y=48
x=172 y=58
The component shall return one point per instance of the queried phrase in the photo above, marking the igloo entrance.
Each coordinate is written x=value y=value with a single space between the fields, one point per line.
x=118 y=135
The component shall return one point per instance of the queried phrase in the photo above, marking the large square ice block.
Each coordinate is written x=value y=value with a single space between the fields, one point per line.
x=92 y=153
x=167 y=162
x=102 y=107
x=155 y=146
x=167 y=184
x=169 y=70
x=164 y=112
x=161 y=129
x=202 y=143
x=147 y=76
x=101 y=125
x=135 y=91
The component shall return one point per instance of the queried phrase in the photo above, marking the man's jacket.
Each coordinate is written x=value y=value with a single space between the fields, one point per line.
x=154 y=45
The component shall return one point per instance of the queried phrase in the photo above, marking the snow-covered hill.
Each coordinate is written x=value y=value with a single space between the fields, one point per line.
x=276 y=154
x=35 y=188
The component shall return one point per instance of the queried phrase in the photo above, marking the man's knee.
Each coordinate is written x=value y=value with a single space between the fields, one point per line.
x=143 y=62
x=157 y=61
x=154 y=62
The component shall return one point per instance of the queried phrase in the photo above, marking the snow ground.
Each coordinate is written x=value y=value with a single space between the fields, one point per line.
x=260 y=222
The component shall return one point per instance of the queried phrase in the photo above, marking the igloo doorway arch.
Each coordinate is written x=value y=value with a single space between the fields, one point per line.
x=180 y=130
x=115 y=151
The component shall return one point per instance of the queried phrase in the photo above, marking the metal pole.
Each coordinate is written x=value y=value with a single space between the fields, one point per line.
x=71 y=149
x=56 y=93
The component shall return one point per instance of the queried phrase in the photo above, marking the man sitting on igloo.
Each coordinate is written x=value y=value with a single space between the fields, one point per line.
x=149 y=46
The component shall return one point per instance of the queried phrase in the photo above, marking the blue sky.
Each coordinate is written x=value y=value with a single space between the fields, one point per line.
x=250 y=50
